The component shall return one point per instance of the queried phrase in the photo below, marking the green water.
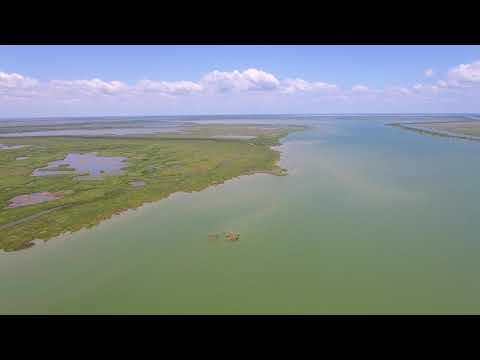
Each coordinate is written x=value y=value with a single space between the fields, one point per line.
x=371 y=219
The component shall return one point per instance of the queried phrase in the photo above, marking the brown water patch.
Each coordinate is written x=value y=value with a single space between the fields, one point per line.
x=34 y=198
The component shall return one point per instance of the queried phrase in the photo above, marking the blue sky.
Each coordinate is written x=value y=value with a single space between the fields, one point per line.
x=149 y=80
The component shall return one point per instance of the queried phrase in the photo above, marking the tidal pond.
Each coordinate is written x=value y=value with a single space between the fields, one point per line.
x=30 y=199
x=89 y=163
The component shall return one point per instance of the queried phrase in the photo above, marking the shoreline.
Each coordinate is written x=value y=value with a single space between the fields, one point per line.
x=428 y=131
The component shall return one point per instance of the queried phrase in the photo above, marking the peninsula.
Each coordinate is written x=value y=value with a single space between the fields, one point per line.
x=69 y=182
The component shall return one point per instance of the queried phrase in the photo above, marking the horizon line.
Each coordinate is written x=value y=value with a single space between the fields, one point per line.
x=234 y=114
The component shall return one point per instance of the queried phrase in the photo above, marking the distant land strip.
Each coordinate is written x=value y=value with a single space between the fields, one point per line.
x=428 y=131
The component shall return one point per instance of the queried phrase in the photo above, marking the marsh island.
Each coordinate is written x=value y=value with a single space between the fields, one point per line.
x=95 y=177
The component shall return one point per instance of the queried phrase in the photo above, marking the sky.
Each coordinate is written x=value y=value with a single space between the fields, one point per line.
x=40 y=81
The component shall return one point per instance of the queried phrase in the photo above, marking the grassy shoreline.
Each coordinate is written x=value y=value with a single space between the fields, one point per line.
x=419 y=127
x=167 y=164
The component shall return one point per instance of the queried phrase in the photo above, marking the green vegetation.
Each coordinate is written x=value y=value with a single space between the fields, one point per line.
x=64 y=167
x=459 y=129
x=8 y=128
x=188 y=162
x=468 y=128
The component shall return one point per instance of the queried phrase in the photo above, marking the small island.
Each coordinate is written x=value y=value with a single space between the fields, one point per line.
x=232 y=236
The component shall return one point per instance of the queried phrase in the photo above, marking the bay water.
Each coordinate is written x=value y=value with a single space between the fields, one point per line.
x=371 y=219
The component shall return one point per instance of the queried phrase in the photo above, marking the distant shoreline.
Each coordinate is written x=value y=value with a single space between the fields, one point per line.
x=434 y=132
x=210 y=116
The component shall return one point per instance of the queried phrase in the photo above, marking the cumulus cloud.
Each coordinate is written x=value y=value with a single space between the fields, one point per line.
x=250 y=79
x=460 y=79
x=428 y=72
x=15 y=87
x=259 y=80
x=213 y=82
x=465 y=73
x=169 y=87
x=14 y=80
x=296 y=85
x=94 y=86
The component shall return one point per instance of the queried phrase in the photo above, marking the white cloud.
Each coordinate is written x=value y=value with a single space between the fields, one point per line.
x=89 y=87
x=258 y=80
x=169 y=87
x=14 y=80
x=250 y=79
x=465 y=73
x=15 y=87
x=20 y=89
x=360 y=88
x=294 y=85
x=424 y=89
x=428 y=72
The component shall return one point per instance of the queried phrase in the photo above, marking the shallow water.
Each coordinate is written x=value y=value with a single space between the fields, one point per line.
x=29 y=199
x=11 y=147
x=86 y=163
x=370 y=219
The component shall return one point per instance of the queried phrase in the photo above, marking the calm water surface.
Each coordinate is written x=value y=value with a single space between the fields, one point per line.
x=371 y=219
x=86 y=163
